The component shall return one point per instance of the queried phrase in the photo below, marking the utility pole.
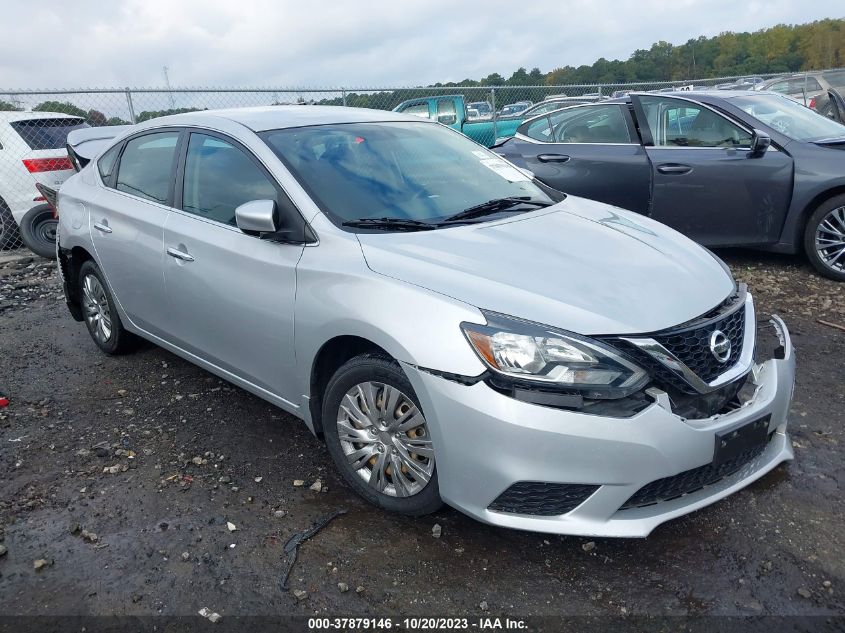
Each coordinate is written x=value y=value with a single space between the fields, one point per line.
x=169 y=89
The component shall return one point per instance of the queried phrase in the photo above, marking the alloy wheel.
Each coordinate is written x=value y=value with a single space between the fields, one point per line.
x=96 y=308
x=830 y=239
x=385 y=439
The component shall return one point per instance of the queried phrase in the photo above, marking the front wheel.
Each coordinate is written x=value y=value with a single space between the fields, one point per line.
x=824 y=238
x=38 y=231
x=378 y=436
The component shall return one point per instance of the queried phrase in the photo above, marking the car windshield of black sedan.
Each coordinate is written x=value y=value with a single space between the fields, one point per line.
x=790 y=118
x=405 y=171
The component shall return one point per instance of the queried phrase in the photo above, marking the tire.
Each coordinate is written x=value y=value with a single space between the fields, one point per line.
x=417 y=474
x=9 y=235
x=38 y=231
x=99 y=312
x=826 y=227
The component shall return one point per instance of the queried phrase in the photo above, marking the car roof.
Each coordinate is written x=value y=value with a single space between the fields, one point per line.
x=260 y=119
x=7 y=116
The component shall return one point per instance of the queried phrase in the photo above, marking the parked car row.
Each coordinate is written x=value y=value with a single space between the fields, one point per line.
x=453 y=329
x=806 y=88
x=452 y=111
x=726 y=168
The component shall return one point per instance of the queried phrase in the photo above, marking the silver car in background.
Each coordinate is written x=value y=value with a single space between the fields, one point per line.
x=454 y=330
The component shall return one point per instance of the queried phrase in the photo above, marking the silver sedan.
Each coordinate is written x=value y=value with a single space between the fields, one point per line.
x=454 y=330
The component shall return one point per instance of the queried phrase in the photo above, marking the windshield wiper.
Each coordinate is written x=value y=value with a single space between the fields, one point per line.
x=494 y=206
x=397 y=224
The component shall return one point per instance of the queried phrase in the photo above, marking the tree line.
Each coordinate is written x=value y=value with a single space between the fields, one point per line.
x=779 y=49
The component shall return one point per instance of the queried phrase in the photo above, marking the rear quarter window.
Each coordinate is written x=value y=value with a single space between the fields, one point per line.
x=107 y=163
x=46 y=133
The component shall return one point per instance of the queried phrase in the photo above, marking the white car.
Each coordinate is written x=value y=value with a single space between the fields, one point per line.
x=32 y=149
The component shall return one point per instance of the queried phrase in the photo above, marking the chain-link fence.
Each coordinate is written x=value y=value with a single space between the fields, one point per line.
x=34 y=124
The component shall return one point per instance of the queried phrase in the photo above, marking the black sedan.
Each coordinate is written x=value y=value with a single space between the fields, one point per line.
x=725 y=168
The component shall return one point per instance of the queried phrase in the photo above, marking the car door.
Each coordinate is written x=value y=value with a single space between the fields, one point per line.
x=231 y=295
x=127 y=218
x=705 y=182
x=590 y=151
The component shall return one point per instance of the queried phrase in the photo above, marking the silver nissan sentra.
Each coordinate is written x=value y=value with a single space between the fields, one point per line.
x=454 y=330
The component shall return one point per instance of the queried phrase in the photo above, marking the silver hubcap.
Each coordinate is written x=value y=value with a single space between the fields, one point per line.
x=96 y=307
x=385 y=439
x=830 y=239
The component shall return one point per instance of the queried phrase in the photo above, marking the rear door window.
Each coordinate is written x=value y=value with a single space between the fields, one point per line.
x=146 y=166
x=538 y=129
x=590 y=124
x=46 y=133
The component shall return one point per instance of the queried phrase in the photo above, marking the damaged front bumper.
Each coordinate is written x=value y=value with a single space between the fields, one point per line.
x=622 y=476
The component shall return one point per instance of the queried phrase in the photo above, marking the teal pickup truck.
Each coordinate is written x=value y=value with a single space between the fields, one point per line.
x=451 y=110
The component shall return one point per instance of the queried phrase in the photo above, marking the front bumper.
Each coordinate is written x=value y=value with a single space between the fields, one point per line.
x=486 y=441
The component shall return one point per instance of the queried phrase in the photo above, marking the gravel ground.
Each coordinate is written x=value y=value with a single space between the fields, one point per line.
x=123 y=478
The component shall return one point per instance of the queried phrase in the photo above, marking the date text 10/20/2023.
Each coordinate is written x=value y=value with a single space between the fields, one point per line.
x=417 y=624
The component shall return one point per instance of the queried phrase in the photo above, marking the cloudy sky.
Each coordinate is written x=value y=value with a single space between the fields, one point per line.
x=364 y=43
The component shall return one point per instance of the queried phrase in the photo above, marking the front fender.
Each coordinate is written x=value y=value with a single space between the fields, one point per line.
x=338 y=295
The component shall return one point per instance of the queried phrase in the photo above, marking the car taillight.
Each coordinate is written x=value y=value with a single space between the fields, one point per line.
x=812 y=104
x=36 y=165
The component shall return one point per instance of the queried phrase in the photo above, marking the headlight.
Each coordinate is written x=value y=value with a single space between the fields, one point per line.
x=542 y=355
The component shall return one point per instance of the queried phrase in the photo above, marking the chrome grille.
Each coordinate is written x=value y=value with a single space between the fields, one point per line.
x=692 y=346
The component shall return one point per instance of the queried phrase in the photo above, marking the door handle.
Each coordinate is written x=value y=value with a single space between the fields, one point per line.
x=553 y=158
x=674 y=168
x=175 y=252
x=102 y=228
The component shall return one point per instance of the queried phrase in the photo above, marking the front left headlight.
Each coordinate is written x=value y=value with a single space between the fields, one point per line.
x=553 y=359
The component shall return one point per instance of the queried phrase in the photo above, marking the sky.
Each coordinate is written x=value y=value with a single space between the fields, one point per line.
x=371 y=43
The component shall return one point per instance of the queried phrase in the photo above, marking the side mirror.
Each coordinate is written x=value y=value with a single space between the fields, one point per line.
x=447 y=119
x=760 y=142
x=258 y=216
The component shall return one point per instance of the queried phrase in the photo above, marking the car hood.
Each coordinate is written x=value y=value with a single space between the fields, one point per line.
x=580 y=265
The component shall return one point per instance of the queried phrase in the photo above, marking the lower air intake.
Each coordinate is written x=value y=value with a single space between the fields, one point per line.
x=542 y=499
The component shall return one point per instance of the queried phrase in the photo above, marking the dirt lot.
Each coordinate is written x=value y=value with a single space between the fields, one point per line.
x=190 y=454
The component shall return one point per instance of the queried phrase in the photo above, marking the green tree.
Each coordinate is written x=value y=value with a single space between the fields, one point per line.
x=63 y=107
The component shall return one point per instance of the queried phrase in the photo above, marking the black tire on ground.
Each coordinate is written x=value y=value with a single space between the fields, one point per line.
x=38 y=231
x=120 y=341
x=377 y=368
x=818 y=216
x=9 y=236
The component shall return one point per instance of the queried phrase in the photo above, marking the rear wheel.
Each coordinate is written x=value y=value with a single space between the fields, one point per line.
x=38 y=231
x=378 y=437
x=101 y=317
x=824 y=238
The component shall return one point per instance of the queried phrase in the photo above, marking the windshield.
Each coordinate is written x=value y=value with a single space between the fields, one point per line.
x=46 y=133
x=399 y=170
x=789 y=117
